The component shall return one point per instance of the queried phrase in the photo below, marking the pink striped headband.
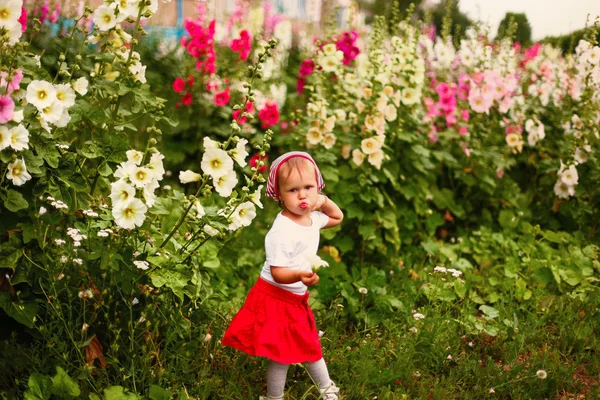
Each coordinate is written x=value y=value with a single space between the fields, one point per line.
x=274 y=171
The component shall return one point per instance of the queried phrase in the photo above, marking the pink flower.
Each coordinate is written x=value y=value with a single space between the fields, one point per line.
x=222 y=98
x=306 y=68
x=499 y=172
x=178 y=85
x=23 y=19
x=187 y=99
x=463 y=130
x=464 y=114
x=55 y=14
x=450 y=119
x=492 y=390
x=242 y=45
x=300 y=85
x=7 y=108
x=269 y=114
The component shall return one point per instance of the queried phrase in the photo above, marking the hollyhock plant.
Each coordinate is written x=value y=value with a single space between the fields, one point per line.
x=249 y=109
x=269 y=114
x=178 y=85
x=7 y=108
x=242 y=45
x=254 y=162
x=222 y=98
x=306 y=68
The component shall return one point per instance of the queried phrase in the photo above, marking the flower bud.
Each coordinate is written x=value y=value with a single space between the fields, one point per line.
x=152 y=141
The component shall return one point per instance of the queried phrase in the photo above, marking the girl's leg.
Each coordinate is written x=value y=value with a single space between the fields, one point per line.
x=319 y=374
x=276 y=376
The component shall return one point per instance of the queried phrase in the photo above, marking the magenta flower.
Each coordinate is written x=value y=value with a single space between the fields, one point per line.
x=7 y=109
x=306 y=68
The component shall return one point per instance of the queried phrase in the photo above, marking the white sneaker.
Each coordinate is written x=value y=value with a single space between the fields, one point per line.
x=330 y=392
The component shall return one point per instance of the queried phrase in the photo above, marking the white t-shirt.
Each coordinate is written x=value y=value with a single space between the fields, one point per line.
x=288 y=245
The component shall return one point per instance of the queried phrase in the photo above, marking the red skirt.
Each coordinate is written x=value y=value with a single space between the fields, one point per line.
x=276 y=324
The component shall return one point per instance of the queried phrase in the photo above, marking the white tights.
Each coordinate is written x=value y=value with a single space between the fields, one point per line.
x=277 y=373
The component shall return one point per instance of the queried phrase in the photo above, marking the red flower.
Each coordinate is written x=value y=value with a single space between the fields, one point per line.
x=269 y=115
x=242 y=45
x=249 y=109
x=306 y=68
x=222 y=98
x=255 y=158
x=187 y=99
x=23 y=19
x=178 y=85
x=190 y=80
x=300 y=85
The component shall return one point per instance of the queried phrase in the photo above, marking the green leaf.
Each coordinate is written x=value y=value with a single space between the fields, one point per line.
x=228 y=255
x=15 y=201
x=490 y=312
x=460 y=288
x=158 y=393
x=39 y=387
x=64 y=386
x=173 y=279
x=118 y=393
x=22 y=312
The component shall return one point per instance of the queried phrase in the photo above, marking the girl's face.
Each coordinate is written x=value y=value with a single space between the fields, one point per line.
x=298 y=190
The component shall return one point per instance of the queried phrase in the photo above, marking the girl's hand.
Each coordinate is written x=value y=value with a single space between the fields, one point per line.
x=321 y=200
x=309 y=278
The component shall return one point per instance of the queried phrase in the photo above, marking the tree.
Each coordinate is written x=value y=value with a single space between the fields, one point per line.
x=523 y=29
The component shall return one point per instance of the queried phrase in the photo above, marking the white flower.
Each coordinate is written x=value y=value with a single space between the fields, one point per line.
x=581 y=156
x=63 y=259
x=358 y=157
x=156 y=165
x=316 y=262
x=209 y=143
x=148 y=192
x=329 y=140
x=90 y=213
x=210 y=230
x=41 y=94
x=314 y=135
x=79 y=261
x=42 y=211
x=130 y=214
x=141 y=176
x=134 y=156
x=207 y=338
x=64 y=119
x=18 y=116
x=60 y=242
x=245 y=213
x=410 y=96
x=144 y=265
x=65 y=95
x=370 y=145
x=17 y=172
x=255 y=197
x=363 y=290
x=570 y=176
x=414 y=329
x=19 y=138
x=189 y=176
x=455 y=273
x=5 y=137
x=104 y=18
x=541 y=374
x=80 y=86
x=121 y=192
x=418 y=316
x=376 y=158
x=199 y=209
x=563 y=190
x=216 y=163
x=52 y=113
x=102 y=233
x=390 y=113
x=440 y=269
x=85 y=294
x=224 y=184
x=10 y=11
x=239 y=154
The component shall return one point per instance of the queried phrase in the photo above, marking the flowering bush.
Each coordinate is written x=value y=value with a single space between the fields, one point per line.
x=95 y=243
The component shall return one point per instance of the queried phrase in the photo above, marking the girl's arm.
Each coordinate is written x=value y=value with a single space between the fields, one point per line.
x=286 y=275
x=329 y=208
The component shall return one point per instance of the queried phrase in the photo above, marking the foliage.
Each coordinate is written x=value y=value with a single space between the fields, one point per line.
x=523 y=28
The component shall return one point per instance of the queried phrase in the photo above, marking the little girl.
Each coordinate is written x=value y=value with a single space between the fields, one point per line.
x=276 y=321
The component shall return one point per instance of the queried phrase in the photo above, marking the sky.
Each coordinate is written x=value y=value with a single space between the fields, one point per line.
x=547 y=17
